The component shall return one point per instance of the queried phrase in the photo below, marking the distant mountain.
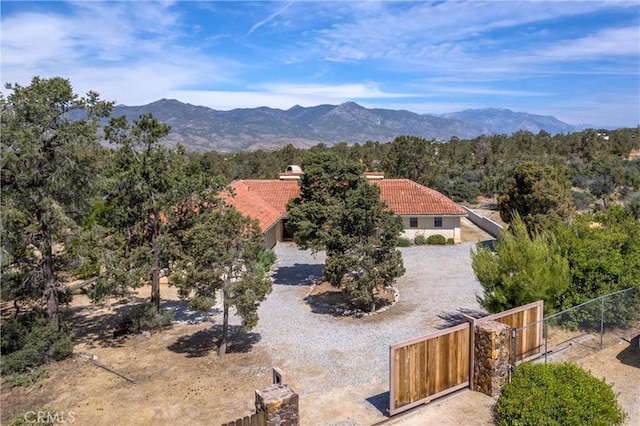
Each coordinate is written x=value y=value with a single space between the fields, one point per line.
x=500 y=120
x=203 y=129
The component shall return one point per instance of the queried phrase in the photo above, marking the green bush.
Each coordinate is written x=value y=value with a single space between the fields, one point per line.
x=451 y=241
x=28 y=342
x=145 y=318
x=420 y=240
x=403 y=242
x=556 y=394
x=28 y=378
x=266 y=259
x=437 y=239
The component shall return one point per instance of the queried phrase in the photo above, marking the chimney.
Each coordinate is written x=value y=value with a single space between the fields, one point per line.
x=374 y=175
x=292 y=173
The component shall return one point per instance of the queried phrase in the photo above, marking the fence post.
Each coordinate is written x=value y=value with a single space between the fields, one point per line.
x=546 y=338
x=472 y=344
x=514 y=340
x=601 y=322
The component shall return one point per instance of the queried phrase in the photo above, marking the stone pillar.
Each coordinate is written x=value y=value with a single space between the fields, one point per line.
x=280 y=403
x=491 y=357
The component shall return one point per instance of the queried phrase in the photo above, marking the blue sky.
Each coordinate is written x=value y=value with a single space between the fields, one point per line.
x=578 y=61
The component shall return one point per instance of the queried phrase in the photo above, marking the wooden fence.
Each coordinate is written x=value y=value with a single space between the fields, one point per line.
x=439 y=363
x=256 y=419
x=428 y=367
x=527 y=320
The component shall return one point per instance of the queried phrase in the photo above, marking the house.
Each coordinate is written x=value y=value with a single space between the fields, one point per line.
x=423 y=210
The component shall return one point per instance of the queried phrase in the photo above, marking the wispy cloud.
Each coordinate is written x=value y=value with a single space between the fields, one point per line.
x=270 y=18
x=421 y=56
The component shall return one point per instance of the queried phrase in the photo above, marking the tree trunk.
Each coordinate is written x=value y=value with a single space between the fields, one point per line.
x=373 y=300
x=155 y=273
x=222 y=347
x=16 y=307
x=50 y=290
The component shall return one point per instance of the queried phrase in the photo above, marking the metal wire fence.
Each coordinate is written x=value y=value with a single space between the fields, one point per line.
x=587 y=328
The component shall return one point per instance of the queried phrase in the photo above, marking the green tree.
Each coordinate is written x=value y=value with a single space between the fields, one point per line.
x=524 y=268
x=221 y=251
x=49 y=135
x=148 y=180
x=539 y=194
x=603 y=251
x=340 y=212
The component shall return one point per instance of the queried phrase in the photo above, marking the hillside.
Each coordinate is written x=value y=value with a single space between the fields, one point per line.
x=201 y=129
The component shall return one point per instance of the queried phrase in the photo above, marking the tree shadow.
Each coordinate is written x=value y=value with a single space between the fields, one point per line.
x=380 y=402
x=490 y=244
x=97 y=329
x=94 y=326
x=631 y=354
x=202 y=342
x=457 y=317
x=336 y=303
x=298 y=274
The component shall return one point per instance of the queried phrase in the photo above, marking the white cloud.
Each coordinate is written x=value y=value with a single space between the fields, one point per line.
x=606 y=43
x=270 y=18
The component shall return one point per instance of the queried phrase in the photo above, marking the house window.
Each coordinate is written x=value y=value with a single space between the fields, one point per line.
x=413 y=222
x=437 y=222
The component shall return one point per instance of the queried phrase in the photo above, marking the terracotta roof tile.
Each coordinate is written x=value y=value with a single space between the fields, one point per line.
x=266 y=200
x=406 y=197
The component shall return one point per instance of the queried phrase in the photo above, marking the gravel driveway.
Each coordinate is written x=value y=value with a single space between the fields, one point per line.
x=320 y=352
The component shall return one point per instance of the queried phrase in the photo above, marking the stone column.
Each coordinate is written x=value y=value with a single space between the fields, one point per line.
x=491 y=357
x=280 y=404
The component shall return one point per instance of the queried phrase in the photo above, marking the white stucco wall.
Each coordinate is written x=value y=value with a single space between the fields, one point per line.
x=273 y=235
x=426 y=226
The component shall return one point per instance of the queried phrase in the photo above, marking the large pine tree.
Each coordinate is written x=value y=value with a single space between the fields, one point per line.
x=49 y=135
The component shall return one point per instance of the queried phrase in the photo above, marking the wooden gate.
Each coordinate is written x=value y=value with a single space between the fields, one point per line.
x=526 y=326
x=439 y=363
x=428 y=367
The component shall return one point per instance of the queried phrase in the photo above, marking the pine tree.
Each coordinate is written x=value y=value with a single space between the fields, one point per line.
x=49 y=135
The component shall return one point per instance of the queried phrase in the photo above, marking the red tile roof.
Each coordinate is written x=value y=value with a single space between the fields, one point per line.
x=266 y=200
x=406 y=197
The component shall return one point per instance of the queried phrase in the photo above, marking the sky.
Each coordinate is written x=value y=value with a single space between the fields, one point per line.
x=576 y=60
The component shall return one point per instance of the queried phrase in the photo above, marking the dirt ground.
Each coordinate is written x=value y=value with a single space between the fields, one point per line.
x=180 y=380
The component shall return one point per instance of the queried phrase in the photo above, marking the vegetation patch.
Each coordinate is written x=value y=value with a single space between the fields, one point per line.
x=326 y=298
x=29 y=341
x=145 y=318
x=420 y=240
x=403 y=242
x=557 y=394
x=437 y=239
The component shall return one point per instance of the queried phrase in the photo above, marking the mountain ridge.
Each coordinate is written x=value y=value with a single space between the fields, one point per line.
x=200 y=128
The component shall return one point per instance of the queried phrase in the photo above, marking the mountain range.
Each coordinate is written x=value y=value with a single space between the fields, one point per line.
x=199 y=128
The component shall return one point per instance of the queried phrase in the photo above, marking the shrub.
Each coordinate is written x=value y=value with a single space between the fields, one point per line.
x=451 y=241
x=582 y=200
x=437 y=239
x=403 y=242
x=28 y=342
x=555 y=394
x=28 y=378
x=420 y=240
x=145 y=318
x=266 y=259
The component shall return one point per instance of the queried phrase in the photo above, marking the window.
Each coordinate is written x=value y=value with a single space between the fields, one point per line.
x=413 y=222
x=437 y=222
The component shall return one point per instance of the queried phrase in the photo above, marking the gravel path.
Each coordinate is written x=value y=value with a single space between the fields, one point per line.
x=320 y=352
